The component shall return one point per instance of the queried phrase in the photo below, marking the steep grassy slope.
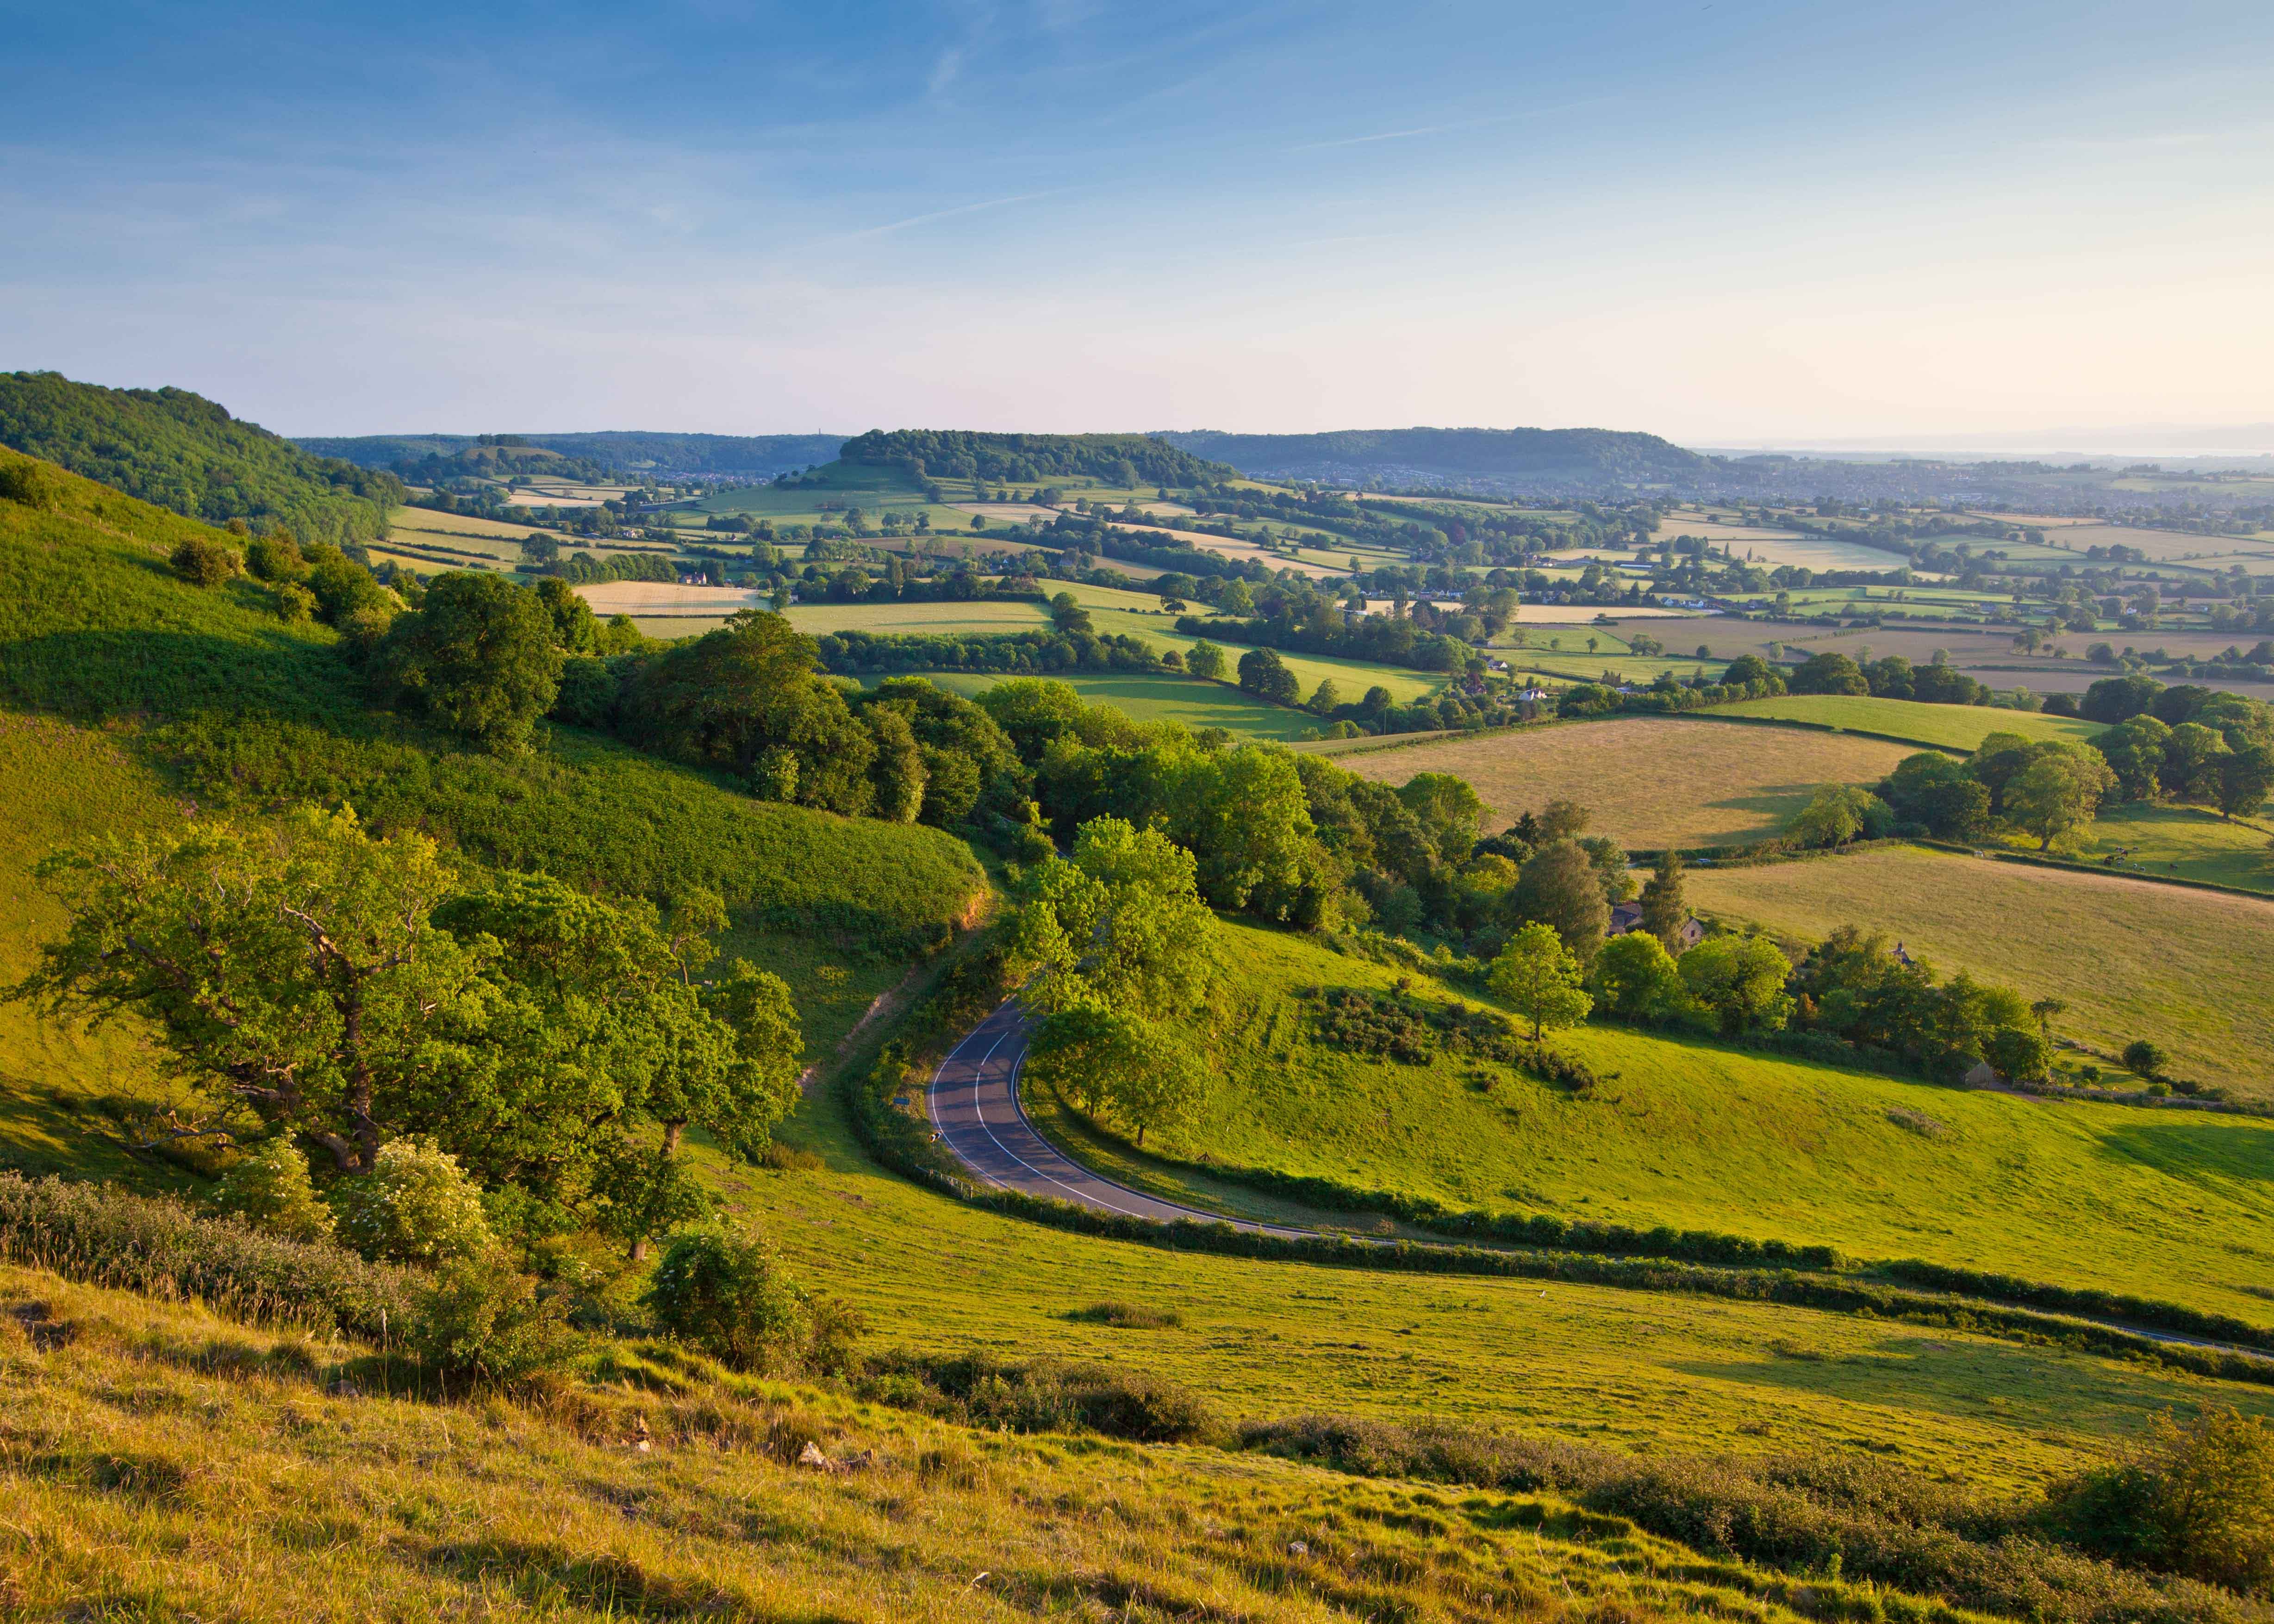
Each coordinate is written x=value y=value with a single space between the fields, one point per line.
x=1698 y=1136
x=161 y=1462
x=2186 y=968
x=183 y=452
x=244 y=709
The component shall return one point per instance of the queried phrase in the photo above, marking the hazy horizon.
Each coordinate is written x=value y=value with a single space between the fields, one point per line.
x=1725 y=223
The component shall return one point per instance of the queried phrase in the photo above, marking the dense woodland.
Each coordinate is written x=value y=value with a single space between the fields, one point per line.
x=182 y=451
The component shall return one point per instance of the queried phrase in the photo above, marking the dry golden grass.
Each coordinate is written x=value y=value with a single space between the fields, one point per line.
x=161 y=1462
x=1650 y=781
x=2187 y=969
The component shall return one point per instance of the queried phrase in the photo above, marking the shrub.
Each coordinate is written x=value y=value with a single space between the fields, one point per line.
x=33 y=483
x=415 y=1206
x=202 y=561
x=275 y=557
x=2197 y=1500
x=1128 y=1316
x=160 y=1248
x=1044 y=1395
x=482 y=1319
x=727 y=1293
x=271 y=1191
x=295 y=603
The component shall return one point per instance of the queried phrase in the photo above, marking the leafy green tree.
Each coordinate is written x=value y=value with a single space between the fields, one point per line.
x=1448 y=810
x=478 y=656
x=1829 y=672
x=896 y=771
x=2144 y=1058
x=1242 y=812
x=1665 y=909
x=1263 y=672
x=1931 y=789
x=2135 y=752
x=1326 y=698
x=1205 y=660
x=1634 y=978
x=1558 y=887
x=642 y=1193
x=1540 y=980
x=751 y=687
x=575 y=630
x=1740 y=983
x=2246 y=777
x=1118 y=926
x=275 y=557
x=2194 y=756
x=1835 y=815
x=2058 y=792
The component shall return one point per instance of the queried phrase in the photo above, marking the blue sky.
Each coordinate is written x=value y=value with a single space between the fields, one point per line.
x=1725 y=221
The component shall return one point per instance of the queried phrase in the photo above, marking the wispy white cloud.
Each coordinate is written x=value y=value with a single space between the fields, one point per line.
x=951 y=214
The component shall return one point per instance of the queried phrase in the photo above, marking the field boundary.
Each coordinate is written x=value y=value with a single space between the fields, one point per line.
x=1709 y=715
x=2037 y=860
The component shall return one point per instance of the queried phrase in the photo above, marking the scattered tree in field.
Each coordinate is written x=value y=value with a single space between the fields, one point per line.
x=1540 y=979
x=478 y=656
x=1835 y=815
x=2144 y=1058
x=1205 y=660
x=1263 y=672
x=1114 y=1065
x=1664 y=909
x=1325 y=698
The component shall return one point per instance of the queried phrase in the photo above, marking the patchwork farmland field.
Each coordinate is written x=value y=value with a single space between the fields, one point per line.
x=1958 y=727
x=1162 y=697
x=2187 y=969
x=1649 y=780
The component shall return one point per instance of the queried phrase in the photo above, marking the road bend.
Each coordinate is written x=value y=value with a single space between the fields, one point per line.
x=974 y=1104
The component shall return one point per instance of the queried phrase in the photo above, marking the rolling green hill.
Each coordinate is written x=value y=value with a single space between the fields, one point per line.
x=239 y=708
x=1699 y=1136
x=1118 y=460
x=1553 y=456
x=182 y=451
x=638 y=451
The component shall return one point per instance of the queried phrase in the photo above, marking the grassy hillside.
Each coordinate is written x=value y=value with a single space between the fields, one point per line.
x=183 y=452
x=2189 y=843
x=242 y=708
x=1164 y=696
x=1955 y=727
x=236 y=1485
x=1694 y=1135
x=1650 y=781
x=2186 y=968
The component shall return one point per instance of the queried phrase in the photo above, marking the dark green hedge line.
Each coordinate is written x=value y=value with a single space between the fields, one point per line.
x=2073 y=1300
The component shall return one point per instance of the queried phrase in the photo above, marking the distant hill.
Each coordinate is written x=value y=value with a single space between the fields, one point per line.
x=1550 y=457
x=182 y=451
x=1111 y=459
x=632 y=451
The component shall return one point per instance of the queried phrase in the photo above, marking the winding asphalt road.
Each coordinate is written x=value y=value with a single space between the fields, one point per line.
x=974 y=1103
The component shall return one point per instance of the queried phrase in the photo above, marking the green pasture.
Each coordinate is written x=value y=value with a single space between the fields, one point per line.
x=2187 y=969
x=1957 y=727
x=1693 y=1134
x=1160 y=697
x=2190 y=843
x=1624 y=1369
